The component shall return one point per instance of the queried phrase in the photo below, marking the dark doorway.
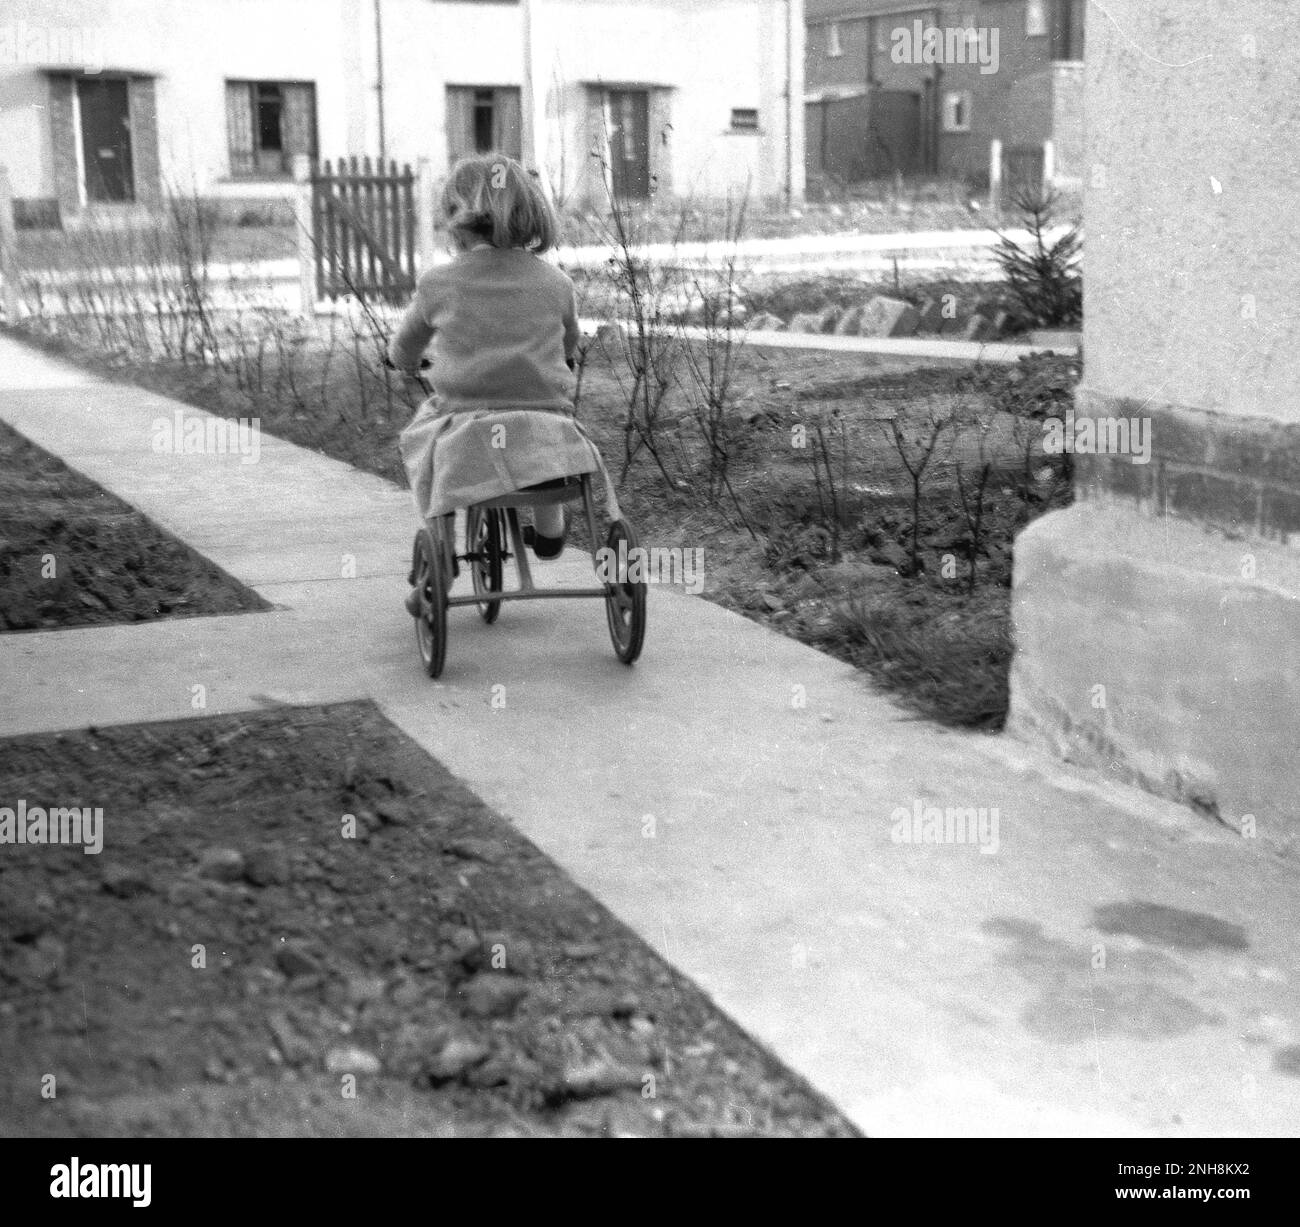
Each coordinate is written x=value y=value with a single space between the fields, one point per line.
x=895 y=133
x=629 y=143
x=106 y=140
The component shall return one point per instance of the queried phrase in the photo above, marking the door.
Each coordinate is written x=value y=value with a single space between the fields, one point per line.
x=629 y=143
x=106 y=139
x=895 y=135
x=845 y=138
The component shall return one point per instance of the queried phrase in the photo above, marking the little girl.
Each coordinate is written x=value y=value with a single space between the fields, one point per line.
x=504 y=329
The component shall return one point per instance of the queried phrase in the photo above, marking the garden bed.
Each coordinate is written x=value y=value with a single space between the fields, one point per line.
x=73 y=555
x=773 y=550
x=300 y=924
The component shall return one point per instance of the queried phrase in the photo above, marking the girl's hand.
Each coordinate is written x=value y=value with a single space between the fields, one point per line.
x=418 y=373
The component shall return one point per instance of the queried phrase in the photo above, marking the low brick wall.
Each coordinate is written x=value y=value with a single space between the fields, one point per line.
x=1239 y=475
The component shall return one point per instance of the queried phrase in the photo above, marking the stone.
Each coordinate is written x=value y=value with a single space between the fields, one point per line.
x=589 y=1079
x=266 y=867
x=891 y=554
x=351 y=1061
x=295 y=1049
x=469 y=849
x=124 y=881
x=807 y=587
x=45 y=958
x=888 y=317
x=393 y=813
x=600 y=1001
x=455 y=1058
x=21 y=916
x=848 y=323
x=362 y=989
x=493 y=994
x=221 y=864
x=930 y=317
x=294 y=961
x=806 y=321
x=979 y=328
x=406 y=993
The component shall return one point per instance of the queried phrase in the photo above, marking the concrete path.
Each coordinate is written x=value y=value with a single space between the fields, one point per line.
x=1116 y=966
x=932 y=351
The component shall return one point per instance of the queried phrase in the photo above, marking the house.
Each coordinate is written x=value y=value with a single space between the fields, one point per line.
x=925 y=89
x=111 y=102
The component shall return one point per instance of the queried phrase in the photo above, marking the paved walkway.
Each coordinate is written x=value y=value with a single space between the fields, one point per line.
x=1044 y=989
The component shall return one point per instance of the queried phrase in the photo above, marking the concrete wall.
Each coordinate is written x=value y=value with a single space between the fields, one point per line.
x=716 y=54
x=1175 y=585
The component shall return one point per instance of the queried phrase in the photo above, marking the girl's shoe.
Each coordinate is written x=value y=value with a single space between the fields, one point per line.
x=546 y=547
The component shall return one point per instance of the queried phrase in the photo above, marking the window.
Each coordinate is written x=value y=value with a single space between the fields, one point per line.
x=483 y=119
x=956 y=110
x=1067 y=31
x=269 y=123
x=744 y=119
x=833 y=48
x=1036 y=24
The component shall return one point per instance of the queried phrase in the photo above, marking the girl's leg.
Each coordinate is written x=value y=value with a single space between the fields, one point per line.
x=549 y=520
x=547 y=531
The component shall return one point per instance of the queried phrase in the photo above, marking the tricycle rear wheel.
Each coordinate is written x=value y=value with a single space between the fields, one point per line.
x=430 y=584
x=625 y=601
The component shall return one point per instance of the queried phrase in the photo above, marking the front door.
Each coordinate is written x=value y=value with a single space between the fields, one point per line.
x=894 y=133
x=629 y=143
x=106 y=139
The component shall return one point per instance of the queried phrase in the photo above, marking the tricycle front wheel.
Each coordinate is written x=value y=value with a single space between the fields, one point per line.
x=485 y=538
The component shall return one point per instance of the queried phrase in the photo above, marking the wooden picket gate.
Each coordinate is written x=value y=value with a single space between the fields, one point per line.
x=364 y=230
x=1022 y=170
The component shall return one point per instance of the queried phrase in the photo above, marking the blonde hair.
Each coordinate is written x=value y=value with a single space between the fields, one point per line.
x=491 y=197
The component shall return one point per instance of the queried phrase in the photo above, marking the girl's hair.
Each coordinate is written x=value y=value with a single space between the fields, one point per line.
x=493 y=198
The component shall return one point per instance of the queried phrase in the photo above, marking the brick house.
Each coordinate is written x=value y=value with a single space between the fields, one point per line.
x=111 y=102
x=925 y=89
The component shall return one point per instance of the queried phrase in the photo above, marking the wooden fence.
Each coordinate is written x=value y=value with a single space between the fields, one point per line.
x=363 y=220
x=1017 y=167
x=365 y=229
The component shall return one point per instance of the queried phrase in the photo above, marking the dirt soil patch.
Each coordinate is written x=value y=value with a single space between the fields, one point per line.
x=73 y=555
x=300 y=924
